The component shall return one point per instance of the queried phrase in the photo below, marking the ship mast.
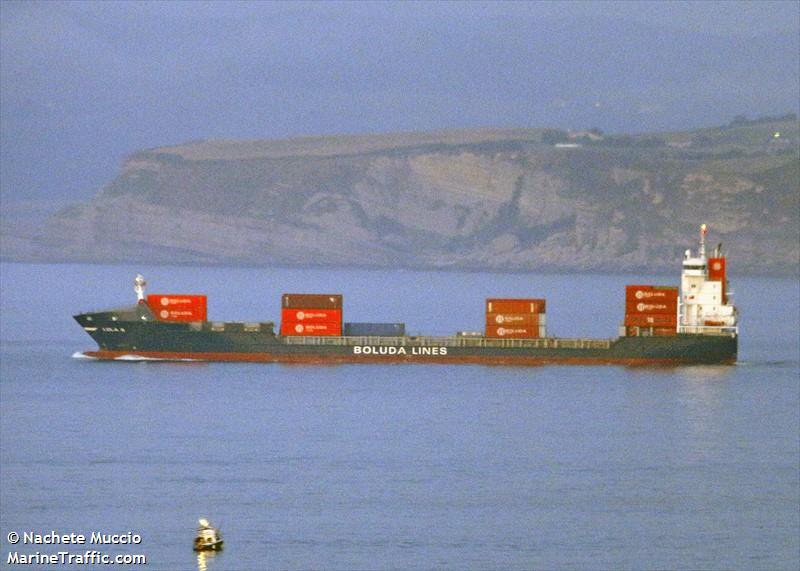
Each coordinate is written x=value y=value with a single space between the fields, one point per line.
x=702 y=250
x=138 y=286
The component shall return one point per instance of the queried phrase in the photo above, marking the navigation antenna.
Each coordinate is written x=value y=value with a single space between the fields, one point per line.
x=703 y=232
x=138 y=286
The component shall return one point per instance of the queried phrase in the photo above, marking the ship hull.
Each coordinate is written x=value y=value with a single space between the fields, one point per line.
x=326 y=359
x=126 y=336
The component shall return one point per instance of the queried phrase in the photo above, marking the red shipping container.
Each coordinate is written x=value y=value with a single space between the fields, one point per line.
x=312 y=315
x=178 y=306
x=512 y=331
x=650 y=293
x=512 y=319
x=716 y=273
x=311 y=301
x=651 y=307
x=521 y=305
x=295 y=329
x=655 y=320
x=665 y=331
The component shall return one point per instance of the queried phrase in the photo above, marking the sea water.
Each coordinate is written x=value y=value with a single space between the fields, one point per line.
x=401 y=466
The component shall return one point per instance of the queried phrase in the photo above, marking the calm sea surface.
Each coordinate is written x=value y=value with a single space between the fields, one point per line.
x=404 y=466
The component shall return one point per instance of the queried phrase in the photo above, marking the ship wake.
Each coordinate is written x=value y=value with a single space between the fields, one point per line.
x=79 y=355
x=130 y=357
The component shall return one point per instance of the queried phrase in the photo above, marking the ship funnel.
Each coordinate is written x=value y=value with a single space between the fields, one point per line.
x=138 y=286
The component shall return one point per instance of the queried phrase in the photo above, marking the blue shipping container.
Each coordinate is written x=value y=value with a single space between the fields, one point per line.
x=374 y=329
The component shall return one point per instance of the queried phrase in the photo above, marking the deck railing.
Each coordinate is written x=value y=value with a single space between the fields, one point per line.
x=716 y=330
x=543 y=343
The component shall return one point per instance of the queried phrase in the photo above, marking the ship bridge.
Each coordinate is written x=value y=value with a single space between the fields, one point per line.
x=705 y=305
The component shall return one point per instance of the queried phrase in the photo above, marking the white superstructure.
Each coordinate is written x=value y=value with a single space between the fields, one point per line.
x=705 y=306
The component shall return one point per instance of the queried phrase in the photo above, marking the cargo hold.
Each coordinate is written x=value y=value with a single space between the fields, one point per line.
x=356 y=329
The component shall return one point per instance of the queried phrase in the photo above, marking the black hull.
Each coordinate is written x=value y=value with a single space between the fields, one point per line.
x=208 y=546
x=135 y=334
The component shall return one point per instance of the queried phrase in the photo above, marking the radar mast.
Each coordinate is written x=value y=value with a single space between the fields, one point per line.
x=138 y=286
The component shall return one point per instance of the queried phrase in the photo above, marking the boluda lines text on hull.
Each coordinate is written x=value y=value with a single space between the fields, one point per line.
x=398 y=350
x=697 y=325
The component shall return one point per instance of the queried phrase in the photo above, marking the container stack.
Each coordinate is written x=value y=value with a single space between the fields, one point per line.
x=178 y=306
x=304 y=314
x=651 y=310
x=515 y=318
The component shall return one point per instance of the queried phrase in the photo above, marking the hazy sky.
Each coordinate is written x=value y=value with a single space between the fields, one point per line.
x=82 y=85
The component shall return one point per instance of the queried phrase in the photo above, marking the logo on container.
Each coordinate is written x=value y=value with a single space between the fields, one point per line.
x=166 y=300
x=299 y=328
x=164 y=314
x=499 y=319
x=649 y=294
x=301 y=316
x=651 y=306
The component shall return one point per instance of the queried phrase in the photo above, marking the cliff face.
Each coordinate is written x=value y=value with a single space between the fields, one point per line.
x=498 y=200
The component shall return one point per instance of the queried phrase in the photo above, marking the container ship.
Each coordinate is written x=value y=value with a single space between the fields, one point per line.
x=695 y=323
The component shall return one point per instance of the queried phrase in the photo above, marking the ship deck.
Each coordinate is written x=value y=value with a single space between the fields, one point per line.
x=452 y=341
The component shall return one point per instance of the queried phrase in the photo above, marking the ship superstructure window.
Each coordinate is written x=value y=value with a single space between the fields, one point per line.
x=694 y=267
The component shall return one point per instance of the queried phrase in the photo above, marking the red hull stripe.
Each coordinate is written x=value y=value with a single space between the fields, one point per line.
x=379 y=359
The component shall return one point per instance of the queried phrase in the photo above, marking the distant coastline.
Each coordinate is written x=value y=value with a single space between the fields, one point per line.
x=481 y=200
